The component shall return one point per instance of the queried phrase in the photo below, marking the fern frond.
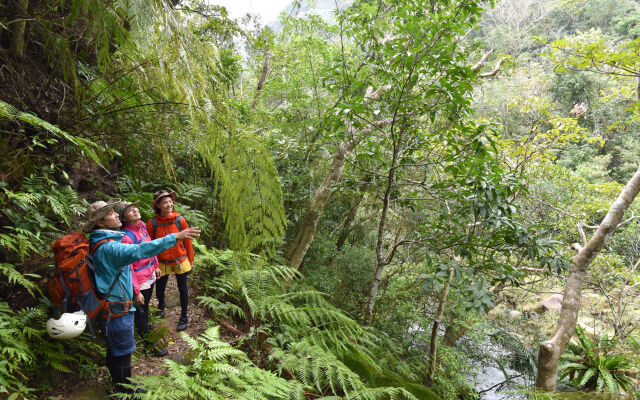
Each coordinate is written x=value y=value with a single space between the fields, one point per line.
x=14 y=276
x=88 y=147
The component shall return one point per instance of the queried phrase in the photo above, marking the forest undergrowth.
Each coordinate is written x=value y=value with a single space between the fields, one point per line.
x=388 y=192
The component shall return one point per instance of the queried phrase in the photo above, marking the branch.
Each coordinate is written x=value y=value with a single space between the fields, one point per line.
x=631 y=218
x=393 y=249
x=626 y=221
x=582 y=235
x=494 y=70
x=94 y=116
x=482 y=61
x=501 y=383
x=532 y=270
x=231 y=328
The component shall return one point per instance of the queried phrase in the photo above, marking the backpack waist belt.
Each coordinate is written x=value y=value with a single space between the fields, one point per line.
x=143 y=267
x=174 y=261
x=119 y=312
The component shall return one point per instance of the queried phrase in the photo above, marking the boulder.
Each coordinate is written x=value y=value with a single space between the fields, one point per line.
x=552 y=303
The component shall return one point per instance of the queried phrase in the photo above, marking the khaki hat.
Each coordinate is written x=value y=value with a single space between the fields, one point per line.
x=160 y=194
x=123 y=207
x=96 y=211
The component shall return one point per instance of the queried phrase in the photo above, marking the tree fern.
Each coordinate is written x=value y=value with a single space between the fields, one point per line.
x=253 y=212
x=314 y=366
x=311 y=338
x=184 y=67
x=218 y=371
x=88 y=147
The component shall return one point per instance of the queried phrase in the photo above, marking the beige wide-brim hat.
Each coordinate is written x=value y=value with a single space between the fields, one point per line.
x=160 y=194
x=96 y=211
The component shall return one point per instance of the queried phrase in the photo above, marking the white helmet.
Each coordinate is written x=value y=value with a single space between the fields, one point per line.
x=68 y=326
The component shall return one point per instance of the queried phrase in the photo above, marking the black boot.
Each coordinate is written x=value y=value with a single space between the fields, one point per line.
x=161 y=352
x=183 y=323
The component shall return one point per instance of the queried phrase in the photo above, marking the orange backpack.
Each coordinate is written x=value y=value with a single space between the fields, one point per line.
x=73 y=287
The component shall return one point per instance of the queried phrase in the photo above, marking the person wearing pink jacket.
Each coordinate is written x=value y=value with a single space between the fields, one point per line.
x=144 y=272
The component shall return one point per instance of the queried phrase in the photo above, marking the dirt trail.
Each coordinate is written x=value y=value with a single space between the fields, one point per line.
x=97 y=388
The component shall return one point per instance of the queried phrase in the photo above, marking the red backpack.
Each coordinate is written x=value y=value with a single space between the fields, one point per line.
x=72 y=286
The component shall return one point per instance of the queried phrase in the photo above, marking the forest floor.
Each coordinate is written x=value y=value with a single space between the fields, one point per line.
x=98 y=386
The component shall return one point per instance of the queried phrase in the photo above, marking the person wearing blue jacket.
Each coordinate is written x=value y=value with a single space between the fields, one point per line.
x=111 y=260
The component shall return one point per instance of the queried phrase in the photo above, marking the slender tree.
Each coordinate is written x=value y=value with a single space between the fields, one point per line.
x=551 y=349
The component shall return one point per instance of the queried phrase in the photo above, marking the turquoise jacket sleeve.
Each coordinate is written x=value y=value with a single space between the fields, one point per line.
x=123 y=254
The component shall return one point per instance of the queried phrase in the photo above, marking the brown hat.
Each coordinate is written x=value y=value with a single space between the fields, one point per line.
x=160 y=194
x=96 y=211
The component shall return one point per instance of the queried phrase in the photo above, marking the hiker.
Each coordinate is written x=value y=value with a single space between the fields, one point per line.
x=178 y=259
x=144 y=272
x=111 y=260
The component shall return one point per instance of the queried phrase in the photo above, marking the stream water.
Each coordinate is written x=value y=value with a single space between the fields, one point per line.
x=491 y=376
x=494 y=382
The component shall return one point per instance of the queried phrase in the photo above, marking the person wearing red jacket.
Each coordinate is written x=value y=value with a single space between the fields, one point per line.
x=178 y=259
x=144 y=272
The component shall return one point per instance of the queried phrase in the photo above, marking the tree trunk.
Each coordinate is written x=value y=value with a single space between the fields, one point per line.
x=263 y=77
x=381 y=260
x=433 y=351
x=352 y=212
x=551 y=350
x=320 y=198
x=18 y=28
x=349 y=218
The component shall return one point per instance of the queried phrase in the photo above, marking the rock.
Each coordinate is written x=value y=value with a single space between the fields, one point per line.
x=514 y=314
x=552 y=303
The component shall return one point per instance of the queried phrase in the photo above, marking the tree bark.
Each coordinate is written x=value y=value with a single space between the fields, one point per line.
x=18 y=28
x=381 y=259
x=310 y=222
x=433 y=351
x=263 y=77
x=352 y=212
x=349 y=218
x=551 y=350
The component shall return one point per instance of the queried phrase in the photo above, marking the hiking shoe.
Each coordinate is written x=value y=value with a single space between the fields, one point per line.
x=161 y=353
x=138 y=390
x=160 y=313
x=182 y=323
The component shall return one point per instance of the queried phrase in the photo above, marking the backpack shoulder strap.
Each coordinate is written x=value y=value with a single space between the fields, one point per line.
x=131 y=236
x=154 y=223
x=179 y=222
x=115 y=280
x=93 y=250
x=94 y=247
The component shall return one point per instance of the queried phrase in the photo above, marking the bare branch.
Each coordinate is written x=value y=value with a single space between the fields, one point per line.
x=582 y=235
x=494 y=70
x=482 y=61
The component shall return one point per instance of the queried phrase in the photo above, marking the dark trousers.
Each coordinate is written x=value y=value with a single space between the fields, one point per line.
x=161 y=286
x=120 y=370
x=142 y=313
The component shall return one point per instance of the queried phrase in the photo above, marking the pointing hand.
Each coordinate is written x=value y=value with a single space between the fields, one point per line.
x=189 y=233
